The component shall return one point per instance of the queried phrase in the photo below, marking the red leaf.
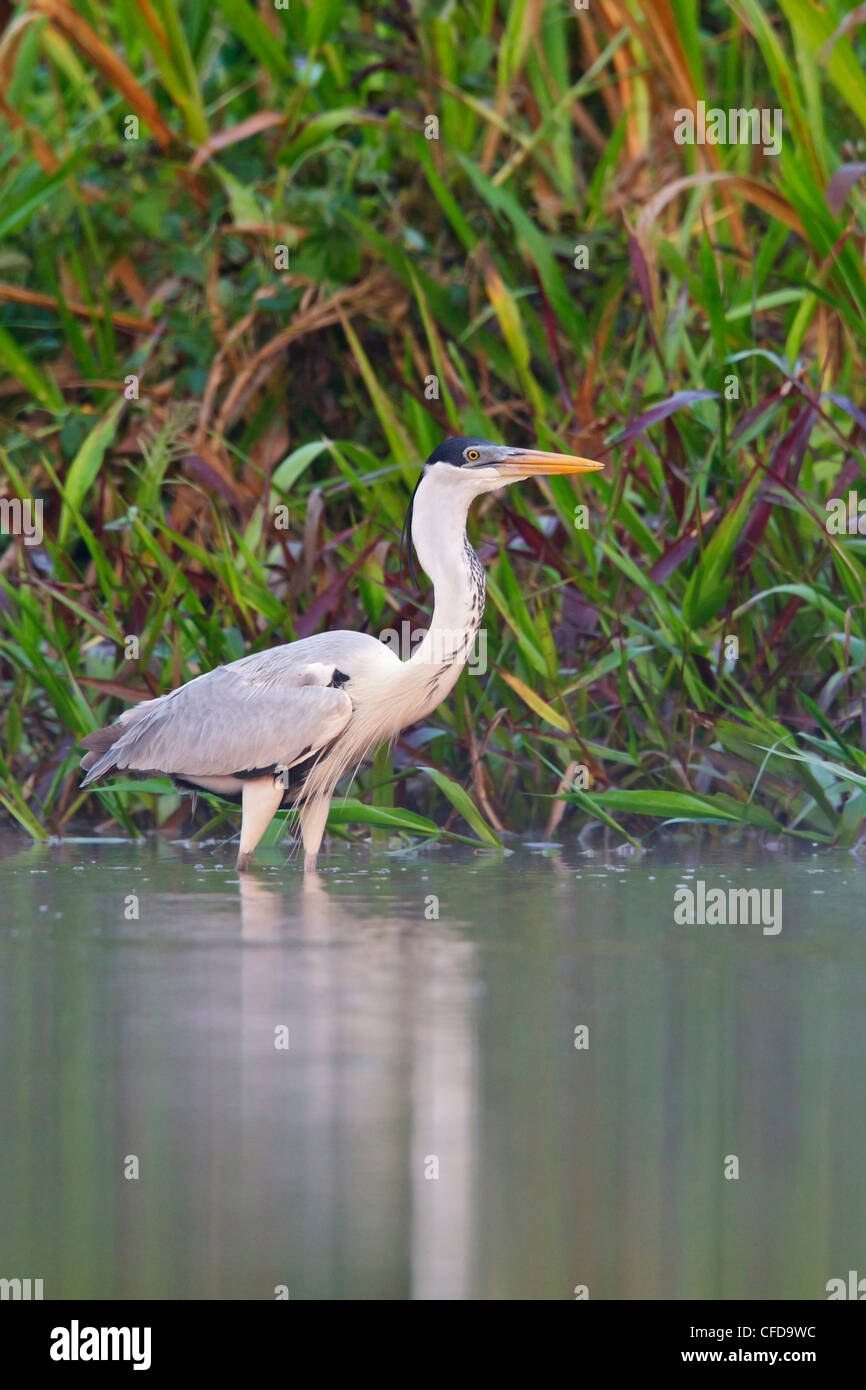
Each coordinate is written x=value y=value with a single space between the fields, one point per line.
x=253 y=125
x=662 y=410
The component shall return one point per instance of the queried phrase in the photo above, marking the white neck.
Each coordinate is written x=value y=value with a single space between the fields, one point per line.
x=439 y=534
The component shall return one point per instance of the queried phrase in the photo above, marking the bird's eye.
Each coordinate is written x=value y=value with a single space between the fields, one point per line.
x=472 y=454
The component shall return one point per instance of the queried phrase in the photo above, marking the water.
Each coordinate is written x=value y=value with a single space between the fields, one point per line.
x=417 y=1044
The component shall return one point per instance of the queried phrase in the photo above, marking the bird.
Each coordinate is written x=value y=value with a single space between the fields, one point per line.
x=282 y=727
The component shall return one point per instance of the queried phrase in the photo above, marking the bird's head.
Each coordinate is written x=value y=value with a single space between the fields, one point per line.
x=464 y=468
x=477 y=465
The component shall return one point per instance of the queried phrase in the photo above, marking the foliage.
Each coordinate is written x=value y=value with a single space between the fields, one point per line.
x=454 y=257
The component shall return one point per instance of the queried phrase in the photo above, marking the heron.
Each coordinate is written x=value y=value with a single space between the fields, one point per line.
x=282 y=727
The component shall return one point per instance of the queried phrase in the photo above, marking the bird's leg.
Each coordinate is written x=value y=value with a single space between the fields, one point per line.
x=314 y=815
x=261 y=797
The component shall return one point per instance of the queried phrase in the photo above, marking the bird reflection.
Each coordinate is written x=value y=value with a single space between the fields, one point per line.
x=371 y=1106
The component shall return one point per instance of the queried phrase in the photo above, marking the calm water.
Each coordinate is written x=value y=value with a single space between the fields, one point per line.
x=417 y=1043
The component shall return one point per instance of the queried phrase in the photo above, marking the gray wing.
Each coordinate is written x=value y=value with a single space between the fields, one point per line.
x=233 y=719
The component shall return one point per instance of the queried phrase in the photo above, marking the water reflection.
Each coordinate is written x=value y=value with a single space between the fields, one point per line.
x=431 y=1130
x=410 y=1065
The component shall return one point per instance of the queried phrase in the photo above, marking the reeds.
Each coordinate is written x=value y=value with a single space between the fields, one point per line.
x=695 y=650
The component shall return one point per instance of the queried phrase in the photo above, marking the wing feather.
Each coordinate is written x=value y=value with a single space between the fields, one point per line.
x=230 y=720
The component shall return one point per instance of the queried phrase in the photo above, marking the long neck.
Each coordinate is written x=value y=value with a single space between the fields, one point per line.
x=439 y=534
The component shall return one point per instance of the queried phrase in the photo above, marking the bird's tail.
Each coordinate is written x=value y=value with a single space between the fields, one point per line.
x=101 y=755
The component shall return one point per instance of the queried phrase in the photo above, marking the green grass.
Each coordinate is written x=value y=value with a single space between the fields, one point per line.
x=709 y=268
